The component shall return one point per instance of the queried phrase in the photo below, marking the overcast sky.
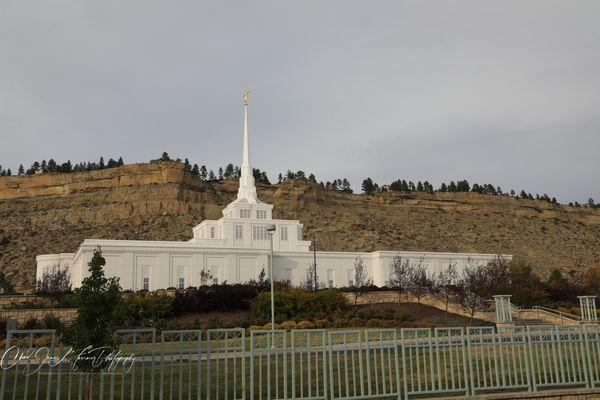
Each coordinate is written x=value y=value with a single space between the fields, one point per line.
x=505 y=92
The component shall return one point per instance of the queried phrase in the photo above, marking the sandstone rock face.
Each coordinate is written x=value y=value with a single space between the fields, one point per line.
x=51 y=213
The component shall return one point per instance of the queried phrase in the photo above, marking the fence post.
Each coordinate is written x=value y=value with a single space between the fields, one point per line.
x=531 y=370
x=586 y=348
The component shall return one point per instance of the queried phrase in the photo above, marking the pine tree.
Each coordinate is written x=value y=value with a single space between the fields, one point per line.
x=186 y=165
x=211 y=175
x=312 y=178
x=203 y=173
x=101 y=163
x=120 y=161
x=228 y=173
x=452 y=187
x=419 y=186
x=368 y=186
x=220 y=173
x=195 y=170
x=264 y=178
x=98 y=299
x=279 y=178
x=165 y=156
x=44 y=166
x=52 y=167
x=21 y=170
x=443 y=188
x=8 y=172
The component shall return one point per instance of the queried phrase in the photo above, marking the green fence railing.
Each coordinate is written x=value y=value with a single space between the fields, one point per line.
x=306 y=364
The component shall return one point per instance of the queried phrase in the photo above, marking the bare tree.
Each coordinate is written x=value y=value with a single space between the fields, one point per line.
x=311 y=282
x=473 y=282
x=400 y=272
x=205 y=277
x=445 y=284
x=55 y=281
x=420 y=283
x=361 y=279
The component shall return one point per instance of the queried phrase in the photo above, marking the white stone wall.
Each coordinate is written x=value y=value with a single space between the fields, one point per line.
x=164 y=263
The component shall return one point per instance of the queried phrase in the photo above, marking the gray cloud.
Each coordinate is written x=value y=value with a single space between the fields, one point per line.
x=505 y=92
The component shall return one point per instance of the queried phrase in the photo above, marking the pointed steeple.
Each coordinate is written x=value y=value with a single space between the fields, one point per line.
x=247 y=189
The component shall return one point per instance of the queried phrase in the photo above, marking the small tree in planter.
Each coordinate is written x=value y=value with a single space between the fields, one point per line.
x=92 y=334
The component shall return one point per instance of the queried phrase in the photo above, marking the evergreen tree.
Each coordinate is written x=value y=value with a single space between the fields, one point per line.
x=279 y=178
x=98 y=299
x=523 y=194
x=211 y=175
x=195 y=170
x=186 y=165
x=220 y=173
x=44 y=166
x=228 y=173
x=165 y=156
x=21 y=170
x=411 y=186
x=52 y=167
x=443 y=188
x=264 y=178
x=111 y=163
x=419 y=186
x=8 y=172
x=368 y=186
x=101 y=163
x=312 y=178
x=300 y=175
x=203 y=173
x=289 y=175
x=66 y=167
x=120 y=161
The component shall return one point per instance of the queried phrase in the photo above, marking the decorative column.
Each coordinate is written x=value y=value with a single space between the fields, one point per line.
x=588 y=308
x=503 y=309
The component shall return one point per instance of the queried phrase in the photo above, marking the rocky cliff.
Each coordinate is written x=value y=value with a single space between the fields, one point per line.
x=50 y=213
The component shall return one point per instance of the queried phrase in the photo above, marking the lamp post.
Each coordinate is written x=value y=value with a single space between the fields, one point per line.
x=271 y=230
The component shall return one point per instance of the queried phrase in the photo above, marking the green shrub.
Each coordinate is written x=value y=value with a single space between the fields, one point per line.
x=31 y=323
x=52 y=322
x=142 y=309
x=305 y=325
x=374 y=323
x=292 y=303
x=288 y=325
x=322 y=323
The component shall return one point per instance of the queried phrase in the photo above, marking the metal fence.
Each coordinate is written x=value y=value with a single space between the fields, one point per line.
x=307 y=364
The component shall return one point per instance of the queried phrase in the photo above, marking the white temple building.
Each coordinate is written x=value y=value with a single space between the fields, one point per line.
x=235 y=249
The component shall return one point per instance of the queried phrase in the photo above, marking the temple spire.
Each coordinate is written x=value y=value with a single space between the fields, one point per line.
x=247 y=189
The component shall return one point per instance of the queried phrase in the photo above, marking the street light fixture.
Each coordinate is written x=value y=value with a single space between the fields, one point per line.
x=271 y=230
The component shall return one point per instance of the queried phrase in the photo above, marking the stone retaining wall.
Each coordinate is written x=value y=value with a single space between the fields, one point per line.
x=65 y=315
x=6 y=301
